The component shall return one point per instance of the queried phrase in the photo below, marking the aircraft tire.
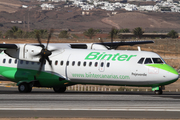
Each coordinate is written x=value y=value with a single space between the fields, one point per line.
x=59 y=89
x=29 y=88
x=158 y=92
x=23 y=88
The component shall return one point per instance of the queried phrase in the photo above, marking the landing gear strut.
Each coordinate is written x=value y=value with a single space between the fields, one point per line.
x=59 y=89
x=25 y=88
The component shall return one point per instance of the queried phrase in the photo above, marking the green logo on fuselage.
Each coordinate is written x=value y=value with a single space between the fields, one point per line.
x=113 y=57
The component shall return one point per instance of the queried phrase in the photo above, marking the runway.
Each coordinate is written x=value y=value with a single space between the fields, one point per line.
x=46 y=103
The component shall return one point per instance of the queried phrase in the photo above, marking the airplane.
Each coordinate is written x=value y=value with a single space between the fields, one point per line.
x=58 y=65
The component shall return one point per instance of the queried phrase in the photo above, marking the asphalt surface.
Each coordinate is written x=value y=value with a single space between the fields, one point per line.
x=46 y=103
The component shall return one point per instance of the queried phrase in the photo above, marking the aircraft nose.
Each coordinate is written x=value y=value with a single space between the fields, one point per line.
x=173 y=74
x=169 y=73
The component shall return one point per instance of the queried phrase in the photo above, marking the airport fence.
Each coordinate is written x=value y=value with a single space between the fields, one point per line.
x=97 y=88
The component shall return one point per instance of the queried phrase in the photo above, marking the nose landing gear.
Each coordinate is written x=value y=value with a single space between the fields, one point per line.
x=158 y=90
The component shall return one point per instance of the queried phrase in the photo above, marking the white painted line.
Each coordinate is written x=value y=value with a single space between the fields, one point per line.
x=98 y=109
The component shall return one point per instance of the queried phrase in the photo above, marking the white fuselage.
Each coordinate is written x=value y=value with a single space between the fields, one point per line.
x=108 y=67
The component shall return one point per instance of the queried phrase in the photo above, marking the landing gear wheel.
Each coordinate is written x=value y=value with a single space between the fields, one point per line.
x=29 y=88
x=24 y=88
x=158 y=92
x=59 y=89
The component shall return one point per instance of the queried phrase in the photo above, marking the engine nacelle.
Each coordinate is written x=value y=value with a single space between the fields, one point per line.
x=96 y=46
x=25 y=52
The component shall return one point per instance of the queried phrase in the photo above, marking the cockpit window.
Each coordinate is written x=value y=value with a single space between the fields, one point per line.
x=141 y=61
x=157 y=60
x=148 y=61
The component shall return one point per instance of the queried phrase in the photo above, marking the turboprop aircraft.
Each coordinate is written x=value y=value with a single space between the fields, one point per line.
x=58 y=65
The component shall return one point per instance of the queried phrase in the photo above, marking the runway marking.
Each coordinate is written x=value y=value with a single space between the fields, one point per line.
x=103 y=109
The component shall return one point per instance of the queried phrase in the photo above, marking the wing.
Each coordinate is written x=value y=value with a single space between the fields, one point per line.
x=26 y=51
x=122 y=43
x=8 y=46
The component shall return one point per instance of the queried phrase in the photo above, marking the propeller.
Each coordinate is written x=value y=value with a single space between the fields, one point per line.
x=113 y=32
x=112 y=36
x=102 y=42
x=44 y=53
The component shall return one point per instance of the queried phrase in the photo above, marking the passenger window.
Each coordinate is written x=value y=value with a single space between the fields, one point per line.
x=56 y=62
x=148 y=61
x=67 y=63
x=15 y=61
x=4 y=60
x=27 y=62
x=96 y=64
x=10 y=61
x=32 y=63
x=61 y=63
x=108 y=64
x=141 y=61
x=102 y=64
x=79 y=63
x=84 y=63
x=157 y=60
x=73 y=63
x=90 y=63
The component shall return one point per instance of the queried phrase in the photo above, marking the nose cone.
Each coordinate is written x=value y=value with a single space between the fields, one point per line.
x=173 y=74
x=169 y=73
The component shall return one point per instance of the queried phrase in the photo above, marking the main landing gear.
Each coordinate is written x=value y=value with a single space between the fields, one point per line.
x=25 y=87
x=59 y=89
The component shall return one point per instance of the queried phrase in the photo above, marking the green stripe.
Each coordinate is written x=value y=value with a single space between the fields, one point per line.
x=19 y=74
x=164 y=67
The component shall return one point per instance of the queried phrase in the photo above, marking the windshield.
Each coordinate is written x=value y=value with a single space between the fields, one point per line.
x=157 y=60
x=150 y=61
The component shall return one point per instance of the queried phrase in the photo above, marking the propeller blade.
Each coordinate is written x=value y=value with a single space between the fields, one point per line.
x=115 y=47
x=49 y=37
x=50 y=63
x=39 y=54
x=101 y=40
x=112 y=36
x=42 y=61
x=38 y=37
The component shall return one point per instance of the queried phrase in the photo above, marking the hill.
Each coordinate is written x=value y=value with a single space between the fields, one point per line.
x=72 y=18
x=9 y=6
x=153 y=21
